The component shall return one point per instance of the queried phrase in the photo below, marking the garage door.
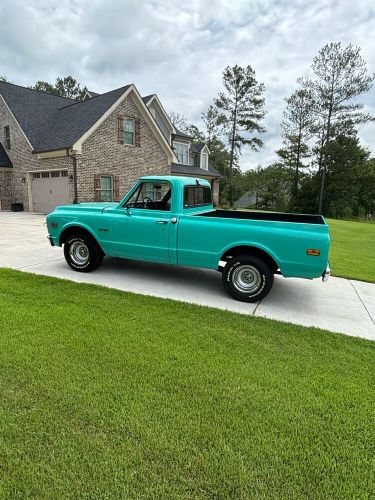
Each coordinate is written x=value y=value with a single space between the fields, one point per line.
x=49 y=189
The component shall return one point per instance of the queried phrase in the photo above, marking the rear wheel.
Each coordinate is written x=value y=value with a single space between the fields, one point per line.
x=247 y=278
x=82 y=253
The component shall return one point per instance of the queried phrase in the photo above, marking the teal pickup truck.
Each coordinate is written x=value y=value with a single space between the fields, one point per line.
x=172 y=220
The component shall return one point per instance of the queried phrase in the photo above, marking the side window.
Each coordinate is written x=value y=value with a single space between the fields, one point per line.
x=7 y=137
x=151 y=196
x=106 y=188
x=197 y=196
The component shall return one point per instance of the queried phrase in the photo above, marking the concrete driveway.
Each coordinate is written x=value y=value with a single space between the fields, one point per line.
x=340 y=305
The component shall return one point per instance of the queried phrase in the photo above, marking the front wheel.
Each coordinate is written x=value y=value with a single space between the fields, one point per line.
x=247 y=278
x=82 y=253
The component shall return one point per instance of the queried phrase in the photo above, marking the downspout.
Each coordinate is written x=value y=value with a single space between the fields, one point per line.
x=72 y=155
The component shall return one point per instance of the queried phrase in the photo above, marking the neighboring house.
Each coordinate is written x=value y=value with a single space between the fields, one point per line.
x=55 y=150
x=247 y=200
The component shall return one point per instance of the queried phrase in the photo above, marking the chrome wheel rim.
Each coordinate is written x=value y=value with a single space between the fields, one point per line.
x=79 y=253
x=246 y=278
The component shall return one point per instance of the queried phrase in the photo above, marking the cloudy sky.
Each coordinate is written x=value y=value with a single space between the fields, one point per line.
x=179 y=49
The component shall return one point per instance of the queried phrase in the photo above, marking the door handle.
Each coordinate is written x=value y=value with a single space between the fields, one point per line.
x=161 y=222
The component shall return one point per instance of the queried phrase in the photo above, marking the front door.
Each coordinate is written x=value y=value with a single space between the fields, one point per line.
x=142 y=228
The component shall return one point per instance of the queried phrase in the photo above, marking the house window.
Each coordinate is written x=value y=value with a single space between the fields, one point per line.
x=204 y=161
x=7 y=137
x=129 y=131
x=106 y=188
x=182 y=152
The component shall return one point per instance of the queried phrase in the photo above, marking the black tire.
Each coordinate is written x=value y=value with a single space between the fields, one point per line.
x=247 y=278
x=82 y=253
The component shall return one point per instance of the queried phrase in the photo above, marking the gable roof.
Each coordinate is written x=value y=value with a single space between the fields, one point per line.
x=4 y=158
x=147 y=98
x=182 y=134
x=52 y=122
x=197 y=147
x=68 y=124
x=31 y=108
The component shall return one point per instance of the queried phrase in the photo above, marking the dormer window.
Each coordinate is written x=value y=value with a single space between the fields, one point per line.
x=204 y=161
x=182 y=152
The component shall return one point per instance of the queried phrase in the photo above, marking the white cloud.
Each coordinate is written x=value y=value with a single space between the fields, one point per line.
x=179 y=50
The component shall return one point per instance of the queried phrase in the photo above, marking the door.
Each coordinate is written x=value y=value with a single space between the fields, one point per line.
x=142 y=228
x=48 y=190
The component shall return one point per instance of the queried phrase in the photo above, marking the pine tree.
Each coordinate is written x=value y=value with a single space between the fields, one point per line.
x=340 y=75
x=242 y=108
x=297 y=129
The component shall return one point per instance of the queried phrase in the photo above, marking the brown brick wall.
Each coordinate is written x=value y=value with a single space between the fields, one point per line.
x=5 y=188
x=102 y=154
x=23 y=161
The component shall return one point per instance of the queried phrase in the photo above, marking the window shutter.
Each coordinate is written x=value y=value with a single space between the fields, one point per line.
x=116 y=188
x=137 y=122
x=97 y=187
x=120 y=129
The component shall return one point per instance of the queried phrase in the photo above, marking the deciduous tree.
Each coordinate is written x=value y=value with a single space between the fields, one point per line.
x=179 y=121
x=43 y=86
x=64 y=87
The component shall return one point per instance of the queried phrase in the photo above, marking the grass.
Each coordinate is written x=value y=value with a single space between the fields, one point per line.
x=352 y=252
x=105 y=394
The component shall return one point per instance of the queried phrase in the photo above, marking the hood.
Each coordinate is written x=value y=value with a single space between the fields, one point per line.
x=87 y=207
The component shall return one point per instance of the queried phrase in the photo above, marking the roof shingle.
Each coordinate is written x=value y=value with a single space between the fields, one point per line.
x=179 y=168
x=51 y=122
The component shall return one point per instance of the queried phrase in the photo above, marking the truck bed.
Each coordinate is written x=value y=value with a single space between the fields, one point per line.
x=266 y=216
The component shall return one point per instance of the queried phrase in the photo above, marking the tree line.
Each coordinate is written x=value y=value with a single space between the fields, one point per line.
x=321 y=166
x=66 y=86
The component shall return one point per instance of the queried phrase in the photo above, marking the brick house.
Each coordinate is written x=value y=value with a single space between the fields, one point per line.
x=55 y=150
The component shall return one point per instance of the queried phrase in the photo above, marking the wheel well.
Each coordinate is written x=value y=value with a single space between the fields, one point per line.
x=249 y=250
x=75 y=230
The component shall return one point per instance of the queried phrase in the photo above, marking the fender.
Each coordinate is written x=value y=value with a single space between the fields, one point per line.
x=248 y=243
x=78 y=225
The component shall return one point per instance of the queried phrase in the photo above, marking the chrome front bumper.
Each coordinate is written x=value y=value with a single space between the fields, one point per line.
x=326 y=274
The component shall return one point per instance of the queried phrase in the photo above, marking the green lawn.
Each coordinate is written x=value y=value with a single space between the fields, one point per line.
x=105 y=394
x=352 y=249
